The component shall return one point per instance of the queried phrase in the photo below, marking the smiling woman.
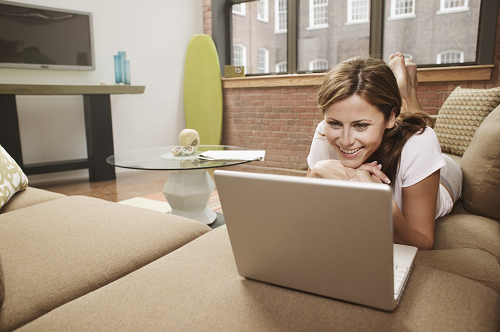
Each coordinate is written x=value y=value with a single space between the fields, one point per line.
x=374 y=131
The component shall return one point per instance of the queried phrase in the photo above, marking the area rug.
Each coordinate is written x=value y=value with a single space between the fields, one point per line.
x=158 y=202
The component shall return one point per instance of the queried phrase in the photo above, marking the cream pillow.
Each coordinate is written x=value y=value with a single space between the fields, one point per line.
x=461 y=115
x=12 y=178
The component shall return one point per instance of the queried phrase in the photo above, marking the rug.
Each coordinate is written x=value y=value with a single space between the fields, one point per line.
x=158 y=202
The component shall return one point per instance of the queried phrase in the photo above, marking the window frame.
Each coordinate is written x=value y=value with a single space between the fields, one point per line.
x=243 y=55
x=243 y=11
x=266 y=60
x=277 y=65
x=222 y=34
x=312 y=25
x=440 y=54
x=266 y=11
x=350 y=9
x=277 y=28
x=315 y=61
x=395 y=16
x=442 y=10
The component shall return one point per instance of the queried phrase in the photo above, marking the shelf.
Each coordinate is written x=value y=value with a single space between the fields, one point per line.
x=68 y=89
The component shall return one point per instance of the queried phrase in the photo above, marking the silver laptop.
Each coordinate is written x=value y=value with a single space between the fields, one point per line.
x=327 y=237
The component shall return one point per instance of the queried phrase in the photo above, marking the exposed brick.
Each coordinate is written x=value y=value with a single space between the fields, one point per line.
x=288 y=116
x=289 y=103
x=280 y=97
x=256 y=103
x=427 y=95
x=272 y=103
x=298 y=97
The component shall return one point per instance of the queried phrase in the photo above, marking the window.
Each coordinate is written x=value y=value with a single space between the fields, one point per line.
x=262 y=61
x=281 y=15
x=402 y=9
x=293 y=48
x=358 y=11
x=239 y=55
x=318 y=14
x=263 y=10
x=281 y=67
x=453 y=6
x=450 y=57
x=318 y=64
x=239 y=9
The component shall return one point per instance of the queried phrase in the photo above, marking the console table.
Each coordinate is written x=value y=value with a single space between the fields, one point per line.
x=98 y=125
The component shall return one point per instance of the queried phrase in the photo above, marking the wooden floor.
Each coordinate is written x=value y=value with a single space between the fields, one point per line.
x=137 y=183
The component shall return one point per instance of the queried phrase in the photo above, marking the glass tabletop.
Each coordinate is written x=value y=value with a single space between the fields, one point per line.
x=162 y=159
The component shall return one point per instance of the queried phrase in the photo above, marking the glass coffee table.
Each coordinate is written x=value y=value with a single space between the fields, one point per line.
x=189 y=185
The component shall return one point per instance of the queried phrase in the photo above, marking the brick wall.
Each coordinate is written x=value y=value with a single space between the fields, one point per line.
x=282 y=120
x=279 y=120
x=207 y=17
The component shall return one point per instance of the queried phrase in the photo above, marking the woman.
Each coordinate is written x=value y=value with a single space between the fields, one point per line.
x=365 y=137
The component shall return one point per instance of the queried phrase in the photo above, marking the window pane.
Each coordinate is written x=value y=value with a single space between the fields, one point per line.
x=427 y=34
x=264 y=40
x=345 y=32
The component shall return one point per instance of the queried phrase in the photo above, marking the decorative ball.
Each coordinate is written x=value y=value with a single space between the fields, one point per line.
x=189 y=137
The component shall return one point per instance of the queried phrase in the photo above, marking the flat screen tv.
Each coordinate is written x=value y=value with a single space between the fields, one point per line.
x=45 y=38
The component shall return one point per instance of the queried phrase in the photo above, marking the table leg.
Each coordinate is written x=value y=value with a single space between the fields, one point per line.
x=188 y=193
x=99 y=133
x=10 y=137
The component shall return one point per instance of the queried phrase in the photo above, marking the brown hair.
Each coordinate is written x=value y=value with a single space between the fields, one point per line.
x=372 y=80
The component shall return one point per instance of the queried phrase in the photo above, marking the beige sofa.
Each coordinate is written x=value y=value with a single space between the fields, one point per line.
x=83 y=264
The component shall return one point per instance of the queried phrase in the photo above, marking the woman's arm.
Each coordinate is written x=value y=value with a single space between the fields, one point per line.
x=333 y=169
x=415 y=224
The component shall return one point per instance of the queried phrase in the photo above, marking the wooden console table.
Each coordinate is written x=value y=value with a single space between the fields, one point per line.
x=98 y=125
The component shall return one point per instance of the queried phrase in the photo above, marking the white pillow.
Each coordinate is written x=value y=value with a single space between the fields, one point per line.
x=12 y=177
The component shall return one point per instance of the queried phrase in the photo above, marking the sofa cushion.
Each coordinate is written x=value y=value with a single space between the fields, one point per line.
x=481 y=169
x=2 y=284
x=461 y=114
x=57 y=251
x=29 y=196
x=467 y=245
x=12 y=177
x=197 y=288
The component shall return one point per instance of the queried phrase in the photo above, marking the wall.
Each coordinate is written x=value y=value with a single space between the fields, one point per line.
x=155 y=35
x=282 y=120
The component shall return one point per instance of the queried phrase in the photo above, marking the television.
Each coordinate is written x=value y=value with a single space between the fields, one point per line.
x=33 y=36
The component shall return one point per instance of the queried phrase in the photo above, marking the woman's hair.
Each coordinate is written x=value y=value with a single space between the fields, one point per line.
x=373 y=81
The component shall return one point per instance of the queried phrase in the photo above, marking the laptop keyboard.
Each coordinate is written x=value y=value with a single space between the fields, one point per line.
x=400 y=272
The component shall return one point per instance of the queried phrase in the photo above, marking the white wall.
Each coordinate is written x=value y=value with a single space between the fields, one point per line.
x=154 y=34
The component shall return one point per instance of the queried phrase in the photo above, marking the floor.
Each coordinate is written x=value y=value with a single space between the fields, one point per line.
x=137 y=183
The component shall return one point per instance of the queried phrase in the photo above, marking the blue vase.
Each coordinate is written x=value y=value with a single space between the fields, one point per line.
x=126 y=72
x=118 y=69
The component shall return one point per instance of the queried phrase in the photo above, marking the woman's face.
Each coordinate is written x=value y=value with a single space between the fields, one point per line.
x=354 y=128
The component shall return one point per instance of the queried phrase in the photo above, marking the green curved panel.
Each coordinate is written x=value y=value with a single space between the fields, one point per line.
x=203 y=90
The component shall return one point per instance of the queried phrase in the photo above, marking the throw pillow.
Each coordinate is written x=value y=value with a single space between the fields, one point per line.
x=461 y=115
x=481 y=169
x=12 y=178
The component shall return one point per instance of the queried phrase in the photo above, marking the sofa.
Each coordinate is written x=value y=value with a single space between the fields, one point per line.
x=82 y=264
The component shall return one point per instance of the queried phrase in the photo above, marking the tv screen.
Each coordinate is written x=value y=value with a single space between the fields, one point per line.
x=46 y=38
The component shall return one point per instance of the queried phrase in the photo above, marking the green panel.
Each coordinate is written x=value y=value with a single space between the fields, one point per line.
x=203 y=90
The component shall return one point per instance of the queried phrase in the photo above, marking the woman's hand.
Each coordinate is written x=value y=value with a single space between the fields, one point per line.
x=331 y=169
x=375 y=169
x=364 y=176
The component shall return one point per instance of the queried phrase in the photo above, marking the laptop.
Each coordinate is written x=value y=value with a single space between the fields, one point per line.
x=326 y=237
